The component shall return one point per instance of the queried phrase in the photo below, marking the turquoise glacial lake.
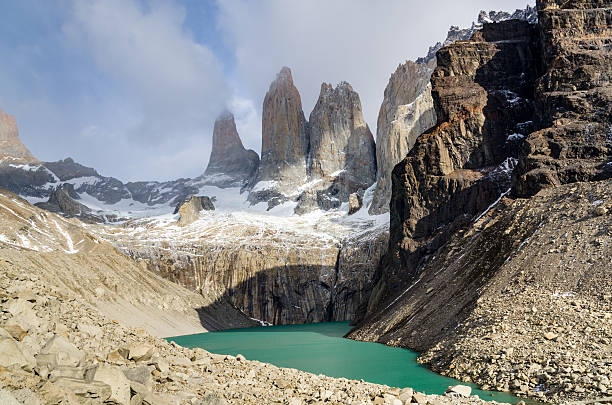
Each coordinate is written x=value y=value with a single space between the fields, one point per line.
x=321 y=349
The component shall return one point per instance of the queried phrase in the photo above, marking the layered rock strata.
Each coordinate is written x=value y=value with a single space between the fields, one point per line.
x=271 y=272
x=407 y=109
x=230 y=164
x=574 y=98
x=481 y=91
x=11 y=146
x=285 y=140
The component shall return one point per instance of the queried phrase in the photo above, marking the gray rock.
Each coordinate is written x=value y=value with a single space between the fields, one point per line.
x=189 y=210
x=120 y=385
x=342 y=148
x=11 y=355
x=67 y=353
x=355 y=203
x=284 y=145
x=230 y=164
x=140 y=374
x=461 y=390
x=6 y=398
x=86 y=389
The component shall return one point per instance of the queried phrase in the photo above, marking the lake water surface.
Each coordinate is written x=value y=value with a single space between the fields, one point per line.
x=321 y=349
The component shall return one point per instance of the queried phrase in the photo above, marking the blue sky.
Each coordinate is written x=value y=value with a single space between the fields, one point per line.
x=132 y=87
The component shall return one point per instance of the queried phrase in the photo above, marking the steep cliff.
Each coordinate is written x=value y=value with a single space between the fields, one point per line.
x=11 y=146
x=342 y=154
x=494 y=290
x=230 y=164
x=406 y=112
x=284 y=143
x=481 y=91
x=280 y=271
x=574 y=98
x=407 y=109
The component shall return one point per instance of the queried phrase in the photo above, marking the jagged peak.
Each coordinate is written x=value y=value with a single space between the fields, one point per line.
x=225 y=115
x=284 y=75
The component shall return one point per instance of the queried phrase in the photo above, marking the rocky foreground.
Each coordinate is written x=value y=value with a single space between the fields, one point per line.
x=77 y=325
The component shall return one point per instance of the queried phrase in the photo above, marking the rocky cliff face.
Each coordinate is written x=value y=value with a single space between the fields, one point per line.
x=406 y=112
x=341 y=144
x=342 y=154
x=284 y=144
x=481 y=91
x=189 y=210
x=407 y=109
x=10 y=145
x=230 y=164
x=574 y=98
x=480 y=282
x=276 y=273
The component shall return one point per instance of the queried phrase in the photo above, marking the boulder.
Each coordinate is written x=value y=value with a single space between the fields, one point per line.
x=189 y=210
x=118 y=382
x=140 y=374
x=355 y=203
x=459 y=390
x=140 y=352
x=23 y=313
x=11 y=355
x=85 y=389
x=66 y=353
x=15 y=330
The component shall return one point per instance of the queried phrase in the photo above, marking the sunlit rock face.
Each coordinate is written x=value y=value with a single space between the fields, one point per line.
x=342 y=148
x=10 y=144
x=406 y=112
x=284 y=143
x=230 y=164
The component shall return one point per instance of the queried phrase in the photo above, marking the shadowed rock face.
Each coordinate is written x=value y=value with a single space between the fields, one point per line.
x=284 y=144
x=574 y=98
x=10 y=145
x=481 y=91
x=230 y=163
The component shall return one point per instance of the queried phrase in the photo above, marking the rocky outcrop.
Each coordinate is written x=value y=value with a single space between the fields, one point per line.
x=406 y=112
x=516 y=300
x=230 y=164
x=481 y=91
x=11 y=146
x=342 y=148
x=574 y=98
x=407 y=109
x=189 y=210
x=63 y=201
x=284 y=144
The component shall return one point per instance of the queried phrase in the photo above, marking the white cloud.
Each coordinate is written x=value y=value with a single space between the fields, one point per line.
x=360 y=41
x=171 y=86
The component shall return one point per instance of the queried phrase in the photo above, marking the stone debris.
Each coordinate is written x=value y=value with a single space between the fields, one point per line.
x=106 y=362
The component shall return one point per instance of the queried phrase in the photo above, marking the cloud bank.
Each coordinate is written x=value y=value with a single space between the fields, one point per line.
x=132 y=87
